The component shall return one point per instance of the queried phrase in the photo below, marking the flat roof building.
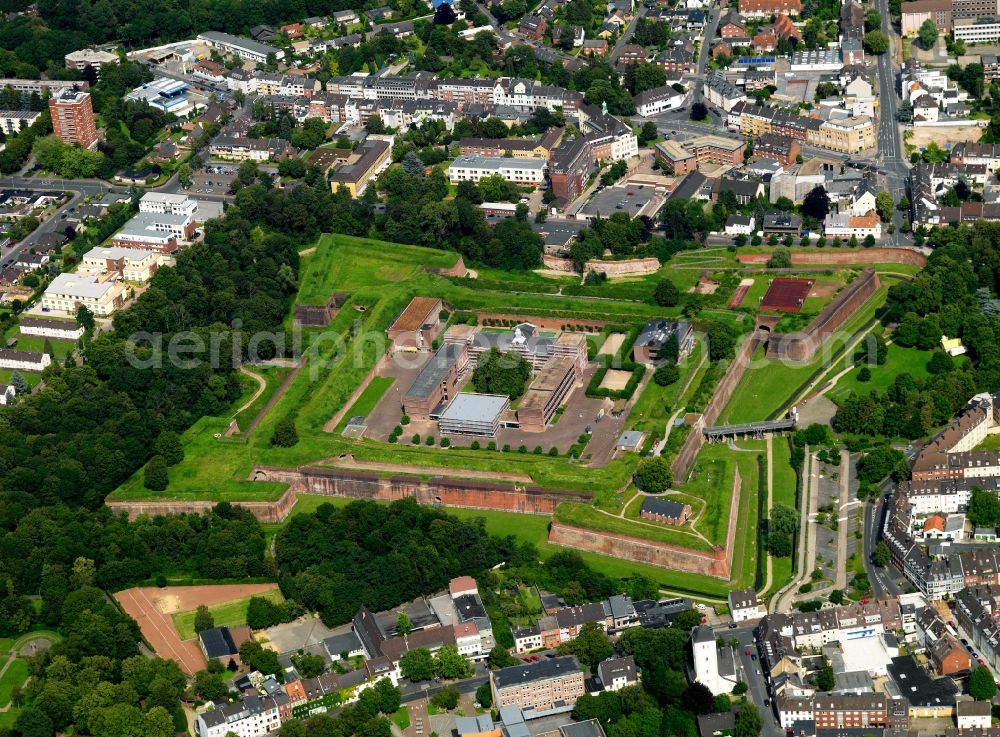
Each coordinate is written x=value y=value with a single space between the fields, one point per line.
x=130 y=264
x=14 y=121
x=93 y=58
x=437 y=382
x=472 y=168
x=67 y=292
x=474 y=414
x=73 y=118
x=155 y=231
x=546 y=685
x=241 y=47
x=655 y=335
x=547 y=391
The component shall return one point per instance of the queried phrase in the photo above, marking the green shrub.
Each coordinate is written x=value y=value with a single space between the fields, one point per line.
x=445 y=443
x=415 y=439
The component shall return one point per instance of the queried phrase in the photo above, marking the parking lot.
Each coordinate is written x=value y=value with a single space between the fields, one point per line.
x=630 y=199
x=213 y=179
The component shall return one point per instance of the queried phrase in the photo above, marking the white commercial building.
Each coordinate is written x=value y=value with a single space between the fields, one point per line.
x=131 y=264
x=164 y=93
x=252 y=717
x=472 y=168
x=244 y=48
x=13 y=121
x=978 y=31
x=714 y=667
x=155 y=231
x=89 y=58
x=68 y=292
x=163 y=202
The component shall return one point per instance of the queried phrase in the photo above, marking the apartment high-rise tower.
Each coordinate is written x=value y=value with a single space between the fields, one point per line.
x=73 y=117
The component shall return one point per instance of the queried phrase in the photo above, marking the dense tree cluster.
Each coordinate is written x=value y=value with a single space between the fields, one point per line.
x=501 y=372
x=335 y=560
x=781 y=529
x=951 y=297
x=38 y=554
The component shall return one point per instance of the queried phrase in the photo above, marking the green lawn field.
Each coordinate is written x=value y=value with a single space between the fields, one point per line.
x=783 y=492
x=16 y=675
x=898 y=360
x=378 y=386
x=657 y=403
x=230 y=614
x=582 y=515
x=992 y=442
x=273 y=376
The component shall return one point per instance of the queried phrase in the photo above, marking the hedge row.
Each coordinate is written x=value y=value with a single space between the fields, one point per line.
x=594 y=387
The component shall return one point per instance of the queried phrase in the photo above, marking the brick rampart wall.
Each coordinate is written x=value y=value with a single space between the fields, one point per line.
x=803 y=346
x=625 y=267
x=840 y=257
x=448 y=492
x=727 y=385
x=274 y=511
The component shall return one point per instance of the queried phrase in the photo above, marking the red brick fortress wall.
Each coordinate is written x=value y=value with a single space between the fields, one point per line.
x=448 y=492
x=844 y=257
x=265 y=511
x=803 y=346
x=727 y=385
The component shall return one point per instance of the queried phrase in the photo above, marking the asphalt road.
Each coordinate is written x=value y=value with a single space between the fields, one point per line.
x=881 y=579
x=890 y=147
x=756 y=684
x=714 y=14
x=624 y=39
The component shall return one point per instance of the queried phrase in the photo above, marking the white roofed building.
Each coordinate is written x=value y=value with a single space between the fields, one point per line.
x=67 y=292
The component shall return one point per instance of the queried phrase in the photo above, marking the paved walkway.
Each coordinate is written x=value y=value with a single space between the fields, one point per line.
x=810 y=488
x=681 y=405
x=261 y=386
x=845 y=473
x=769 y=577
